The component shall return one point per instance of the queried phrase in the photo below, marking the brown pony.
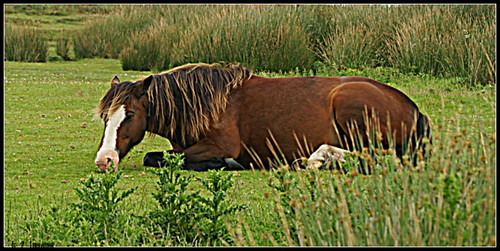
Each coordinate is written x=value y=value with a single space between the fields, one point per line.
x=227 y=117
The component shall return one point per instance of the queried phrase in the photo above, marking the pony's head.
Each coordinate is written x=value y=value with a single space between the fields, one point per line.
x=179 y=104
x=123 y=110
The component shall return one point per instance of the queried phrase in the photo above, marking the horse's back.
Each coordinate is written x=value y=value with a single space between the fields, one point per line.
x=386 y=90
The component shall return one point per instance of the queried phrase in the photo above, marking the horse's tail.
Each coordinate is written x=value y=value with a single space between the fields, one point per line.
x=423 y=132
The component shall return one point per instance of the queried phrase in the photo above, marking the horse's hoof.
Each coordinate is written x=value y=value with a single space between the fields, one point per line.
x=233 y=164
x=154 y=159
x=314 y=164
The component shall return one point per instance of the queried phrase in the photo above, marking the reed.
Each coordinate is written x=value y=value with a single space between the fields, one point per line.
x=260 y=37
x=63 y=46
x=355 y=37
x=443 y=40
x=25 y=44
x=446 y=200
x=107 y=37
x=448 y=41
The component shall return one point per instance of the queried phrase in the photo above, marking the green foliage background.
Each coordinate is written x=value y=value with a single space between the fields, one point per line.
x=441 y=40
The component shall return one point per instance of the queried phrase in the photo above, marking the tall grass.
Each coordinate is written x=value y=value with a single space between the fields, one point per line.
x=25 y=44
x=107 y=37
x=356 y=37
x=260 y=37
x=63 y=46
x=156 y=48
x=447 y=200
x=443 y=40
x=447 y=41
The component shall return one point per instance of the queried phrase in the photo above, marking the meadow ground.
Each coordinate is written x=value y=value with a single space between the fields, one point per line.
x=51 y=136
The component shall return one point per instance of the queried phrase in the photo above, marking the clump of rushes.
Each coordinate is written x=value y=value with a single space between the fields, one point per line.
x=442 y=40
x=63 y=46
x=26 y=44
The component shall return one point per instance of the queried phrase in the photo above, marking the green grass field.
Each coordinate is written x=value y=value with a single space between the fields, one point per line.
x=53 y=17
x=51 y=136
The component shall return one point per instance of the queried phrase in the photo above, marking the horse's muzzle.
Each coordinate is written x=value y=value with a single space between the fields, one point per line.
x=103 y=160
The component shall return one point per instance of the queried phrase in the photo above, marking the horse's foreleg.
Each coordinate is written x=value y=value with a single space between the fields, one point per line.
x=157 y=159
x=206 y=155
x=324 y=154
x=199 y=157
x=154 y=159
x=214 y=164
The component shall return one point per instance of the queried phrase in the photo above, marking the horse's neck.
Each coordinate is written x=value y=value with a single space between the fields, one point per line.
x=175 y=140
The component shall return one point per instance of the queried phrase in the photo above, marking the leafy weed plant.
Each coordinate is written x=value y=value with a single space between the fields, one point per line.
x=99 y=205
x=185 y=217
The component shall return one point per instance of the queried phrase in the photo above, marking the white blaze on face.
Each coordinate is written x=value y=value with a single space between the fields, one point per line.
x=107 y=150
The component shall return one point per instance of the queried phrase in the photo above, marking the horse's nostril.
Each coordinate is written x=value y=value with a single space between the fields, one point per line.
x=108 y=160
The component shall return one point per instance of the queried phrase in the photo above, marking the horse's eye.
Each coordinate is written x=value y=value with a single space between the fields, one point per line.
x=130 y=116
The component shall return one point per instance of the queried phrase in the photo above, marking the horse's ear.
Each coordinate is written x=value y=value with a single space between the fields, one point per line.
x=115 y=81
x=143 y=86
